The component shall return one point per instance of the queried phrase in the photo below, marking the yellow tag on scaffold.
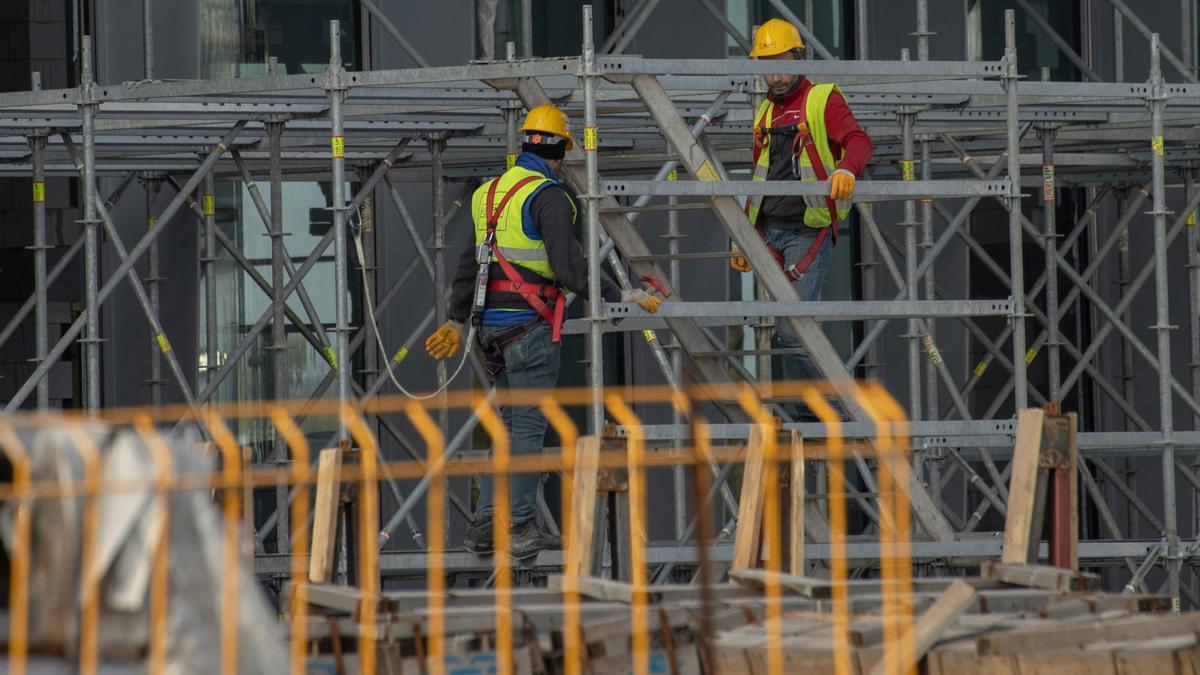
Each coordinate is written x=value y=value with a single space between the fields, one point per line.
x=906 y=169
x=210 y=205
x=980 y=368
x=1191 y=219
x=649 y=335
x=399 y=355
x=337 y=147
x=510 y=160
x=39 y=192
x=1156 y=143
x=673 y=175
x=590 y=141
x=1030 y=355
x=163 y=344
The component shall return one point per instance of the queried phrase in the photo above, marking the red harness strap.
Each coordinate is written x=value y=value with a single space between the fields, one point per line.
x=804 y=140
x=532 y=293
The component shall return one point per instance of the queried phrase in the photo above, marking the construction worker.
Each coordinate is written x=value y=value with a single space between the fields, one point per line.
x=802 y=131
x=525 y=245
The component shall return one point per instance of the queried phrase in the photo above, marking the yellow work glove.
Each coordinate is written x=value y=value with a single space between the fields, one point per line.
x=445 y=341
x=841 y=185
x=738 y=262
x=642 y=299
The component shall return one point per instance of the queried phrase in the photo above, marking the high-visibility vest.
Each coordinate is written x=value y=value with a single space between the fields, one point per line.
x=816 y=213
x=511 y=240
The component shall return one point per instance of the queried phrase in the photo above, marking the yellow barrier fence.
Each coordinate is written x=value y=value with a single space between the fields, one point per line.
x=626 y=452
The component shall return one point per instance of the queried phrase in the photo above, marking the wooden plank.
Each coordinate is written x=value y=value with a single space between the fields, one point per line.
x=1018 y=524
x=583 y=505
x=1066 y=635
x=818 y=589
x=1040 y=576
x=934 y=621
x=320 y=563
x=796 y=529
x=595 y=587
x=1066 y=662
x=747 y=541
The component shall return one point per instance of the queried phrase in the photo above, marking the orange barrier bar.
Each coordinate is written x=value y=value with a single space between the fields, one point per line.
x=889 y=412
x=838 y=567
x=90 y=580
x=18 y=589
x=772 y=516
x=298 y=603
x=158 y=575
x=568 y=436
x=637 y=531
x=231 y=474
x=436 y=529
x=501 y=524
x=368 y=529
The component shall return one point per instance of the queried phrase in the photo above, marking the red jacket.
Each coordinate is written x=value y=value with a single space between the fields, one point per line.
x=847 y=140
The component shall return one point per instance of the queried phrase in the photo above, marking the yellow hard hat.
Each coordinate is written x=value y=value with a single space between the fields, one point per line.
x=548 y=119
x=775 y=37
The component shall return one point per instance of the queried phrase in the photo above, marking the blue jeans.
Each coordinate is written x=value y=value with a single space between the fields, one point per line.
x=793 y=244
x=530 y=363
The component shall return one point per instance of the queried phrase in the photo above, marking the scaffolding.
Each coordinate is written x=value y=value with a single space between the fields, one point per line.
x=643 y=121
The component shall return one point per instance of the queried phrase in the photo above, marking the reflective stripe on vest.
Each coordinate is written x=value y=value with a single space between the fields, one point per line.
x=511 y=240
x=817 y=212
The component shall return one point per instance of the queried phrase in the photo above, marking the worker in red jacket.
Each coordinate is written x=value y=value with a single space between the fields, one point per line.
x=802 y=131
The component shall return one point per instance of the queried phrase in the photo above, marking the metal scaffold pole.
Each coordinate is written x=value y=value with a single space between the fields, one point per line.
x=91 y=269
x=437 y=183
x=37 y=146
x=1015 y=237
x=278 y=327
x=336 y=90
x=1049 y=207
x=907 y=118
x=592 y=231
x=1157 y=100
x=152 y=185
x=209 y=265
x=1193 y=267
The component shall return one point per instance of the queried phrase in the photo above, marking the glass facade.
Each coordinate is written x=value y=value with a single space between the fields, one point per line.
x=985 y=36
x=237 y=39
x=239 y=36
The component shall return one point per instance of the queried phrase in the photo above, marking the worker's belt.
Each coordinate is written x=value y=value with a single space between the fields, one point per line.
x=537 y=296
x=544 y=295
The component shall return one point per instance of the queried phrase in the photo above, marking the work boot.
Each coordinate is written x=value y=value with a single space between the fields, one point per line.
x=527 y=538
x=479 y=536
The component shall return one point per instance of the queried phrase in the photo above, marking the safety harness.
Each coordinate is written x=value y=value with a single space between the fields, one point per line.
x=545 y=299
x=801 y=141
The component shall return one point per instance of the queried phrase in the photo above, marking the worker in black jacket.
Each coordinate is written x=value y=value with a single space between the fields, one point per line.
x=524 y=225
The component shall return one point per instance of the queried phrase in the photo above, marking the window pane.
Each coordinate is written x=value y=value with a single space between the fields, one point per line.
x=239 y=36
x=985 y=37
x=831 y=20
x=558 y=26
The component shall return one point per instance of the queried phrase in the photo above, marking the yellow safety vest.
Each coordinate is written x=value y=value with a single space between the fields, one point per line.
x=511 y=240
x=817 y=212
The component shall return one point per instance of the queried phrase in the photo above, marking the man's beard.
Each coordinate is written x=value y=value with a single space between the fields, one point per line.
x=783 y=91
